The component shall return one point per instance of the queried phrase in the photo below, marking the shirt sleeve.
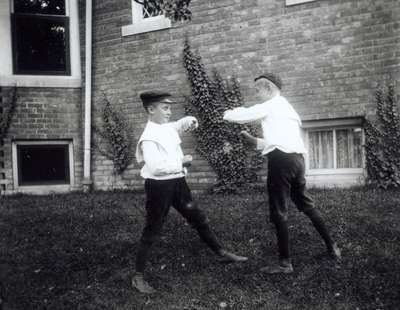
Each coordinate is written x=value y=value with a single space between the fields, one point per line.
x=155 y=162
x=244 y=115
x=260 y=144
x=184 y=123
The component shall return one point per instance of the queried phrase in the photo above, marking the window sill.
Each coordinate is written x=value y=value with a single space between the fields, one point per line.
x=43 y=189
x=294 y=2
x=311 y=172
x=41 y=81
x=146 y=25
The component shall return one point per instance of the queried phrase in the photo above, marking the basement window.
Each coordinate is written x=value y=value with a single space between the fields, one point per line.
x=334 y=146
x=338 y=148
x=145 y=19
x=42 y=163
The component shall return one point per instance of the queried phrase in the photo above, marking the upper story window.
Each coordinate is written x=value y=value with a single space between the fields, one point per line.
x=40 y=30
x=145 y=18
x=40 y=43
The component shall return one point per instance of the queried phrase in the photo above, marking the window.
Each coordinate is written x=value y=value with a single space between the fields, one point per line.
x=145 y=19
x=339 y=148
x=40 y=37
x=335 y=154
x=41 y=43
x=42 y=163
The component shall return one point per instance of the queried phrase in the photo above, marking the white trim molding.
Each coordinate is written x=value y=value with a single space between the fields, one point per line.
x=294 y=2
x=48 y=188
x=141 y=24
x=333 y=122
x=8 y=78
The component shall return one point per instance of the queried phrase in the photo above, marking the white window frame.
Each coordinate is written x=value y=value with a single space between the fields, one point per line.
x=294 y=2
x=334 y=125
x=141 y=24
x=48 y=187
x=8 y=78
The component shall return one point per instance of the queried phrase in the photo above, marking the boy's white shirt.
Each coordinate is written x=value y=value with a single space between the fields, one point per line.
x=280 y=124
x=159 y=147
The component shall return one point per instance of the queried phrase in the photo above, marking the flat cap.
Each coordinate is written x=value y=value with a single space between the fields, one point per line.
x=149 y=97
x=272 y=78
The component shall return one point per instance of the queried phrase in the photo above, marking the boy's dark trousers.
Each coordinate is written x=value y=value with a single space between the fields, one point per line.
x=286 y=181
x=160 y=195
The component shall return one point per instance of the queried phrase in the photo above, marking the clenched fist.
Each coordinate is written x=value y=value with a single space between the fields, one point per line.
x=192 y=125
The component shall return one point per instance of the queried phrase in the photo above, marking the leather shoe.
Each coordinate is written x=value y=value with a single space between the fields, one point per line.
x=335 y=252
x=286 y=268
x=141 y=285
x=228 y=257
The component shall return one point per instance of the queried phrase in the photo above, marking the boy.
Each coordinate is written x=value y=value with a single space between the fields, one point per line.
x=164 y=172
x=284 y=148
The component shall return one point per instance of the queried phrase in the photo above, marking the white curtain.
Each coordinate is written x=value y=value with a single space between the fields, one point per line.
x=348 y=148
x=321 y=149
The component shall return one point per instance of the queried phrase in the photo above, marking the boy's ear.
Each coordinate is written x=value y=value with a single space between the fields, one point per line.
x=150 y=108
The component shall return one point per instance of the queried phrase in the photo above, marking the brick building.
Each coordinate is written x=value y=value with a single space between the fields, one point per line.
x=330 y=54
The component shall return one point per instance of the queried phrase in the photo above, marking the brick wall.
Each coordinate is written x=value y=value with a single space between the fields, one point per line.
x=330 y=54
x=3 y=170
x=44 y=113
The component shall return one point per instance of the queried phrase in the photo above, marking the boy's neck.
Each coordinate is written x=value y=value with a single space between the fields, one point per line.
x=273 y=95
x=154 y=121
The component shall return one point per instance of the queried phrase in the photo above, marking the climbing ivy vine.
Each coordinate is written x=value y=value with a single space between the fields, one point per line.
x=116 y=137
x=383 y=140
x=218 y=141
x=7 y=114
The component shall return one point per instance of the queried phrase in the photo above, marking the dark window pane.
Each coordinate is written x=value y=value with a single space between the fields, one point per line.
x=43 y=164
x=40 y=45
x=151 y=9
x=54 y=7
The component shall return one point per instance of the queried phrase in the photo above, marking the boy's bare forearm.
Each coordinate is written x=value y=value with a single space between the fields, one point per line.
x=248 y=138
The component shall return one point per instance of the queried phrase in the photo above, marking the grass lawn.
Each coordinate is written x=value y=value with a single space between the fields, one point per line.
x=77 y=251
